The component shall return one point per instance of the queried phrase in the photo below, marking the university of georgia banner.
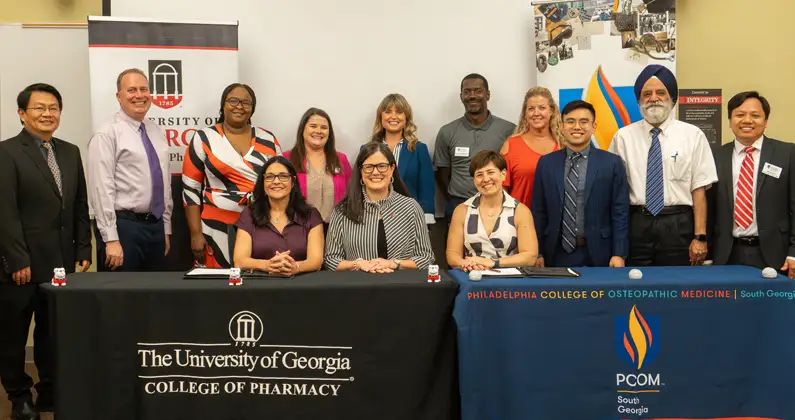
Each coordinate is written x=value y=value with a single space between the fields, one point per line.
x=188 y=65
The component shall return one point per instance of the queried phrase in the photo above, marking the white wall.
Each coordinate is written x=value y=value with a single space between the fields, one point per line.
x=58 y=56
x=344 y=56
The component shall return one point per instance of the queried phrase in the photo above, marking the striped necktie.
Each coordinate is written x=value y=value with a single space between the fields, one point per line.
x=655 y=190
x=570 y=204
x=743 y=202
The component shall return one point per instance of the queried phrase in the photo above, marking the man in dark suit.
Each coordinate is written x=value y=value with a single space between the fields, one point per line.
x=44 y=225
x=754 y=198
x=581 y=199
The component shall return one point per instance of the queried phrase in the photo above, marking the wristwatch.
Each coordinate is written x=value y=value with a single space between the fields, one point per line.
x=700 y=238
x=398 y=264
x=496 y=263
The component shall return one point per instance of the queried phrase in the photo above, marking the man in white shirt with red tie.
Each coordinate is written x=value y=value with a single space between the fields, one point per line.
x=128 y=183
x=669 y=167
x=755 y=194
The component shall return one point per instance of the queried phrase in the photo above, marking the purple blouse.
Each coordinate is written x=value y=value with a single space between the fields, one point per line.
x=265 y=241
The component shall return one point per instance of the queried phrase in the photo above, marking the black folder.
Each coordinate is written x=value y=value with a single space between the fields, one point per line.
x=200 y=273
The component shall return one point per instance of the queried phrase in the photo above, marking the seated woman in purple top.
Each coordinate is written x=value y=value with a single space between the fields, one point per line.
x=279 y=233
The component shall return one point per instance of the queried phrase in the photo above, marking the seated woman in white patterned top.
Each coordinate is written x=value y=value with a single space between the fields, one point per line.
x=491 y=229
x=377 y=227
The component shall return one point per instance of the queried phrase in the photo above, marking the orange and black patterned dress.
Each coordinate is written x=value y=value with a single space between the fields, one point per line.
x=216 y=177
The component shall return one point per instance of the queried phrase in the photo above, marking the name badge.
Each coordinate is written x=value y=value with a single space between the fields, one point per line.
x=464 y=152
x=771 y=170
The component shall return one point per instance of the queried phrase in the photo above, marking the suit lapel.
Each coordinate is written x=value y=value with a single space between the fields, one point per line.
x=727 y=162
x=765 y=157
x=405 y=157
x=594 y=163
x=559 y=180
x=32 y=149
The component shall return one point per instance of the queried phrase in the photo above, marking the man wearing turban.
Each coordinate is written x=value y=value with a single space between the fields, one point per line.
x=669 y=167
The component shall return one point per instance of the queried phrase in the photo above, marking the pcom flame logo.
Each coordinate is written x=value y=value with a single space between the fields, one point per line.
x=611 y=113
x=637 y=338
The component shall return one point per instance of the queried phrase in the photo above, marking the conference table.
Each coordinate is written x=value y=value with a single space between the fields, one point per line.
x=326 y=345
x=679 y=343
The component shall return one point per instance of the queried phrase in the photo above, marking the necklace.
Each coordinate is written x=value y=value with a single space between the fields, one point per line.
x=276 y=219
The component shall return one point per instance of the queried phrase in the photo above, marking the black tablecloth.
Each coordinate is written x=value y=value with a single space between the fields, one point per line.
x=318 y=346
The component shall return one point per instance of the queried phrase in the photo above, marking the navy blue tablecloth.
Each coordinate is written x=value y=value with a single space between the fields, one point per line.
x=682 y=342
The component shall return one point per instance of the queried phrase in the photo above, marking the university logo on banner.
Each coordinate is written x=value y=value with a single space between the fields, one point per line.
x=637 y=338
x=637 y=341
x=180 y=59
x=165 y=82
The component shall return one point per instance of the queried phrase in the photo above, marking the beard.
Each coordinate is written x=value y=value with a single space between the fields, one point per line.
x=655 y=113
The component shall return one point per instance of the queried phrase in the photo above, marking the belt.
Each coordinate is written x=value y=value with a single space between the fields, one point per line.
x=138 y=217
x=665 y=211
x=747 y=240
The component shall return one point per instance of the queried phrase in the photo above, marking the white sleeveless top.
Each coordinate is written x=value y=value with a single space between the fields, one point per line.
x=502 y=241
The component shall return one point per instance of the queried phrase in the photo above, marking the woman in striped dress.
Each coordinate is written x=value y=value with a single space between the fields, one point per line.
x=219 y=171
x=377 y=227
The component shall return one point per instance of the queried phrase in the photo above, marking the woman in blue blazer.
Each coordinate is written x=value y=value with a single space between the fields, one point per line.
x=394 y=125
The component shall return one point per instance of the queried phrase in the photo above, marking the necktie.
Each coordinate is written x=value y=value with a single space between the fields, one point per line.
x=570 y=204
x=743 y=202
x=56 y=171
x=655 y=191
x=156 y=206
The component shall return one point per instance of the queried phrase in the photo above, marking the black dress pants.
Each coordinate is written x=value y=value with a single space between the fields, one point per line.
x=143 y=243
x=750 y=255
x=18 y=305
x=660 y=240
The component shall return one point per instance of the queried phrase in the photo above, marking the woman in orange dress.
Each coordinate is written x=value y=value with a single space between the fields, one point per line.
x=220 y=169
x=537 y=133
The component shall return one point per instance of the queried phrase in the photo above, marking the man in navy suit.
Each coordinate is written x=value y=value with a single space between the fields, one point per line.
x=581 y=199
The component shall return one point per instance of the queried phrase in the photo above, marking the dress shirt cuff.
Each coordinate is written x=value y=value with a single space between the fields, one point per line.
x=109 y=235
x=167 y=226
x=790 y=258
x=430 y=219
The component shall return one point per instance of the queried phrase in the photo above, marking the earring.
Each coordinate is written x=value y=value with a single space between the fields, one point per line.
x=392 y=181
x=361 y=181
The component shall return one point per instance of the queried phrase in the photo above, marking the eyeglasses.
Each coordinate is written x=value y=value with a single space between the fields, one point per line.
x=54 y=110
x=571 y=122
x=235 y=102
x=283 y=177
x=382 y=167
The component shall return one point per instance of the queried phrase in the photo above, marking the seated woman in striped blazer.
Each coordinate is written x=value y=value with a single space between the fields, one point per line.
x=377 y=227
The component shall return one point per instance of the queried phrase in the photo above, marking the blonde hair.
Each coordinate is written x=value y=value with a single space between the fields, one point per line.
x=554 y=119
x=402 y=105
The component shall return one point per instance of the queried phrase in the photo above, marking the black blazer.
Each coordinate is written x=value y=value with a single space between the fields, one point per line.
x=38 y=227
x=775 y=203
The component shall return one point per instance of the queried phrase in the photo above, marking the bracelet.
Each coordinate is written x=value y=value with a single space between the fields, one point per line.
x=356 y=264
x=297 y=267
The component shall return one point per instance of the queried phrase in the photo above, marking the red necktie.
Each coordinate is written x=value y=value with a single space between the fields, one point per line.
x=743 y=203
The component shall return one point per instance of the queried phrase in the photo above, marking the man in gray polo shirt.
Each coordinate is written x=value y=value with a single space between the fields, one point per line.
x=459 y=141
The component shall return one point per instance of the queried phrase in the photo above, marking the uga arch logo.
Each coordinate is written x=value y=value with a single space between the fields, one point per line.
x=245 y=328
x=165 y=82
x=637 y=338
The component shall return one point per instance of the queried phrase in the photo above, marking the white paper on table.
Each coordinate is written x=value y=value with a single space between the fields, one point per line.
x=209 y=272
x=501 y=272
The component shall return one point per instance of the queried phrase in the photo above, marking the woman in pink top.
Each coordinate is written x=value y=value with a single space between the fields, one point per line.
x=537 y=133
x=323 y=173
